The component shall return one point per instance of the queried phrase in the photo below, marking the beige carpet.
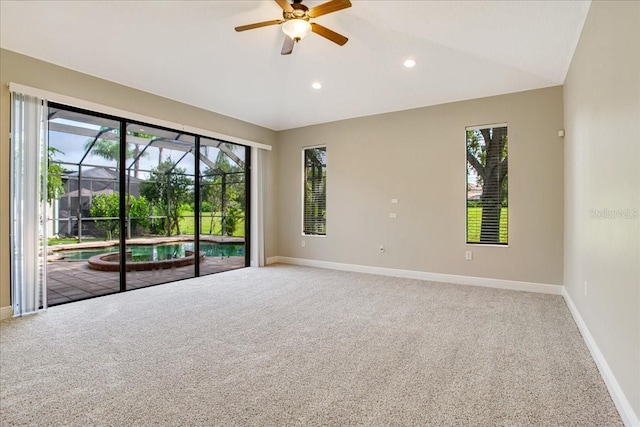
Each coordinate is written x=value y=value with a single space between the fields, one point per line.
x=288 y=345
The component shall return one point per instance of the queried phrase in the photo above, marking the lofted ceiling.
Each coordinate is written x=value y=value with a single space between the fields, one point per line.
x=188 y=51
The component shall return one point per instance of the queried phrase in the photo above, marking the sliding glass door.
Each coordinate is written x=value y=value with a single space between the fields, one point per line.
x=160 y=215
x=133 y=205
x=82 y=215
x=223 y=205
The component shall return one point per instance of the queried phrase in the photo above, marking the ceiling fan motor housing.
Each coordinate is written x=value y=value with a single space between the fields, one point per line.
x=299 y=11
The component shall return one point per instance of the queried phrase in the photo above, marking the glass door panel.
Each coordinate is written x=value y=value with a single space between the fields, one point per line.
x=160 y=213
x=82 y=214
x=222 y=205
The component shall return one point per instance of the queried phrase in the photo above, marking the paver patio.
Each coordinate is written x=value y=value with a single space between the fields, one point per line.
x=69 y=281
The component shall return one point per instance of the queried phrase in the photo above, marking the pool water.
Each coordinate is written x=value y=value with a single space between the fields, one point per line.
x=84 y=254
x=146 y=253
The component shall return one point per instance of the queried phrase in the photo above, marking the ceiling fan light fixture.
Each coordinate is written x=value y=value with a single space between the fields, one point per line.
x=409 y=63
x=296 y=28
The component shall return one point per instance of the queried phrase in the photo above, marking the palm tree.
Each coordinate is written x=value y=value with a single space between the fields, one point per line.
x=110 y=150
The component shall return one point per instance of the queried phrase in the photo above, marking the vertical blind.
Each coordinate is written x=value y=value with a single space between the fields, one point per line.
x=487 y=184
x=315 y=191
x=28 y=196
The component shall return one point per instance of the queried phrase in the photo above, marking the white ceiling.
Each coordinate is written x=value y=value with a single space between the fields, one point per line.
x=189 y=52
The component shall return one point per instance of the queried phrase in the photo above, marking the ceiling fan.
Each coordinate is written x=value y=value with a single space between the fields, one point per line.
x=296 y=23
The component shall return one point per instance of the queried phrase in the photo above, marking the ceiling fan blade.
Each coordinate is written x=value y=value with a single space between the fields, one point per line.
x=284 y=4
x=329 y=34
x=329 y=7
x=259 y=24
x=287 y=47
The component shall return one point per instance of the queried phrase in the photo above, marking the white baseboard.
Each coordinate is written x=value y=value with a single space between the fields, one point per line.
x=422 y=275
x=627 y=413
x=6 y=312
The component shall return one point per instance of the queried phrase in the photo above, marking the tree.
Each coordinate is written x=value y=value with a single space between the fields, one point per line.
x=233 y=215
x=108 y=206
x=55 y=185
x=487 y=155
x=168 y=188
x=223 y=189
x=139 y=210
x=211 y=192
x=110 y=150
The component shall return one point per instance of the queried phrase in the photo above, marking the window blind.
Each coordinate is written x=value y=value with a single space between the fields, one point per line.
x=315 y=191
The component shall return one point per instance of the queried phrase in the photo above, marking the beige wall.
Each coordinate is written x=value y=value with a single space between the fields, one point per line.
x=418 y=156
x=32 y=72
x=602 y=164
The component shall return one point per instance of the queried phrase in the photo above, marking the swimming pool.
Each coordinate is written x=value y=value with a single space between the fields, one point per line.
x=162 y=252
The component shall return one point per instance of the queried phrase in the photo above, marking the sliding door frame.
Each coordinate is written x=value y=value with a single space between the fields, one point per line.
x=122 y=184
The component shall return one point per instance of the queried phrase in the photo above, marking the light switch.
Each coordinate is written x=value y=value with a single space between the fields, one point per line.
x=393 y=215
x=394 y=201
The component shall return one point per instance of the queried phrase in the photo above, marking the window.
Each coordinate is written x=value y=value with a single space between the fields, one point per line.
x=487 y=189
x=315 y=192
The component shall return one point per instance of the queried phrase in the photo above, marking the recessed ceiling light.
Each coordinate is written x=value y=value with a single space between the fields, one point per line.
x=316 y=85
x=409 y=63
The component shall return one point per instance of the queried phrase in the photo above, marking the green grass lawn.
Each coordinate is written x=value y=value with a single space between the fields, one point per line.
x=187 y=224
x=474 y=220
x=72 y=240
x=186 y=228
x=62 y=241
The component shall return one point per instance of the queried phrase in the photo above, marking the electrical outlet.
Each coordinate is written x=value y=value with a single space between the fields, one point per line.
x=393 y=215
x=381 y=249
x=468 y=255
x=304 y=243
x=586 y=288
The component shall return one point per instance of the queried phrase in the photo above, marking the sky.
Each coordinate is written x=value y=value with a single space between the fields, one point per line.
x=72 y=148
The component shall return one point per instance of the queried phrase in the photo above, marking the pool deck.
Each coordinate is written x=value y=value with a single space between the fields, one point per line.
x=69 y=281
